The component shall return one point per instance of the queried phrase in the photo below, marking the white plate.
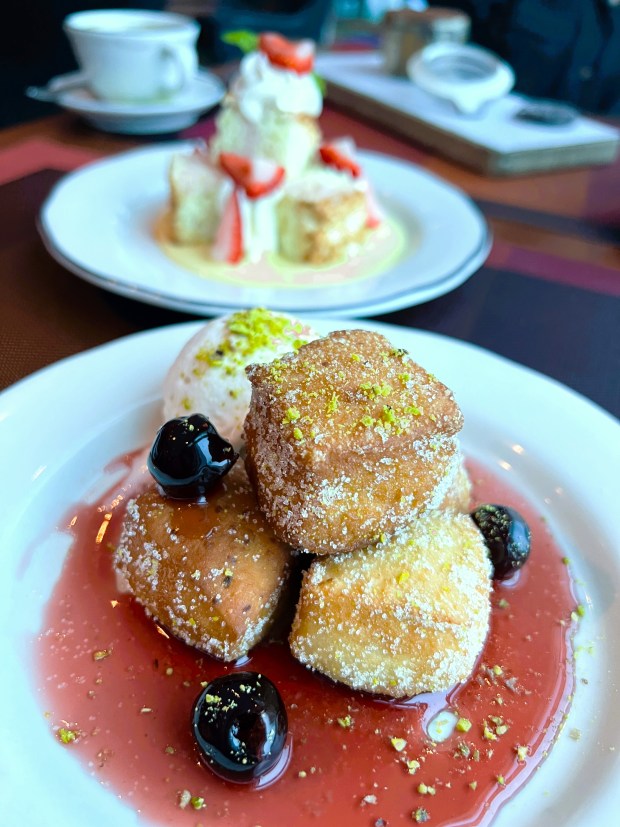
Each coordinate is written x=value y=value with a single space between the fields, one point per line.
x=98 y=223
x=181 y=111
x=60 y=427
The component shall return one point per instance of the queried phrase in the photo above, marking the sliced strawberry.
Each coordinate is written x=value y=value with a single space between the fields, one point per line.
x=296 y=56
x=256 y=176
x=374 y=215
x=341 y=155
x=228 y=244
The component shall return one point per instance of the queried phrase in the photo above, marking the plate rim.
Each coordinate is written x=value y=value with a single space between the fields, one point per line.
x=65 y=84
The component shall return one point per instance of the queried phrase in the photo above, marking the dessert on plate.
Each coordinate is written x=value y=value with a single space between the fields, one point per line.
x=267 y=182
x=351 y=451
x=350 y=633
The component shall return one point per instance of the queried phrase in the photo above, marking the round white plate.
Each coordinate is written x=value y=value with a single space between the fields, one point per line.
x=181 y=111
x=98 y=223
x=59 y=428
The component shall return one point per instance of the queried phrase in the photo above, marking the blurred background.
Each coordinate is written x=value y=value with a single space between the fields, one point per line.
x=563 y=49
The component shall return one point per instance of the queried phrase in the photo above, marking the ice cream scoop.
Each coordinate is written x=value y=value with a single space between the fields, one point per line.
x=208 y=376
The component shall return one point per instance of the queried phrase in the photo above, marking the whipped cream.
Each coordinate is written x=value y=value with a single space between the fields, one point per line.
x=260 y=86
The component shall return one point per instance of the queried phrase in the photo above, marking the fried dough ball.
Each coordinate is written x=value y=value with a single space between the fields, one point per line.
x=398 y=619
x=458 y=495
x=211 y=573
x=348 y=440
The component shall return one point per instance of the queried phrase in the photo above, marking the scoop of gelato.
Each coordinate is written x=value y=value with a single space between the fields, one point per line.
x=208 y=376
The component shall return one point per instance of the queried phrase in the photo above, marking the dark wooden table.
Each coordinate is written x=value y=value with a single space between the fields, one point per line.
x=548 y=296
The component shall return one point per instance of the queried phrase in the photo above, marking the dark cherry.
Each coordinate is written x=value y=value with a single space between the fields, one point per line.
x=188 y=457
x=507 y=537
x=240 y=726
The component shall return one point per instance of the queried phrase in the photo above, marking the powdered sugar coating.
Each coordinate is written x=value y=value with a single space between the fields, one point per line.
x=401 y=618
x=211 y=573
x=347 y=440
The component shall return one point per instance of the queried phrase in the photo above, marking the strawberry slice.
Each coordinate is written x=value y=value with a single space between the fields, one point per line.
x=374 y=213
x=341 y=155
x=228 y=244
x=296 y=56
x=256 y=176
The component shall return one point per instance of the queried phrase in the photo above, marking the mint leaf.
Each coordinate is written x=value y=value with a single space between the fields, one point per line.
x=242 y=39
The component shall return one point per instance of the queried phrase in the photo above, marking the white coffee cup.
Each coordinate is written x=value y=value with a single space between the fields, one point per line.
x=134 y=56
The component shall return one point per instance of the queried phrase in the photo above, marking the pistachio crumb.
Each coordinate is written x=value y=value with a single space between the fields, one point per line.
x=399 y=744
x=420 y=816
x=345 y=722
x=67 y=736
x=463 y=724
x=522 y=752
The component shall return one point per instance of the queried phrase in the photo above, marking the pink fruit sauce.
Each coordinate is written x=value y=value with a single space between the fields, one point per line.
x=109 y=674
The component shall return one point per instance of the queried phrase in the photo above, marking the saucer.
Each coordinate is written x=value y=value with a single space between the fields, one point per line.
x=71 y=93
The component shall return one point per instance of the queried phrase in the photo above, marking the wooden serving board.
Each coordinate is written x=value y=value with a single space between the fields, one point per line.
x=493 y=142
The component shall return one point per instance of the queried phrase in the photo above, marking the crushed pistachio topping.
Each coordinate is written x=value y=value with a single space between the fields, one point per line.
x=228 y=572
x=522 y=752
x=355 y=357
x=197 y=802
x=399 y=744
x=412 y=766
x=426 y=789
x=248 y=331
x=575 y=734
x=292 y=415
x=403 y=577
x=372 y=391
x=101 y=654
x=473 y=785
x=67 y=736
x=488 y=734
x=501 y=780
x=420 y=816
x=497 y=670
x=298 y=434
x=503 y=603
x=345 y=722
x=332 y=405
x=302 y=774
x=463 y=724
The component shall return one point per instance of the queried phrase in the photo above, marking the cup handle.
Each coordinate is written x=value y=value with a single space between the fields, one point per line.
x=180 y=68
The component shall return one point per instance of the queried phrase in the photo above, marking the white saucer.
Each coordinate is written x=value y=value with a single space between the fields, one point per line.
x=70 y=92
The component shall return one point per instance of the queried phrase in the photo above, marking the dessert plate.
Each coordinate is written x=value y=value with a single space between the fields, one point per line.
x=547 y=441
x=99 y=222
x=70 y=92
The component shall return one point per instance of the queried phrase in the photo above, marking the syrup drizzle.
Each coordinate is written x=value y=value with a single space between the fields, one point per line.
x=127 y=687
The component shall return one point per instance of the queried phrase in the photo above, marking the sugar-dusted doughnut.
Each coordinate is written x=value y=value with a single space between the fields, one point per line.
x=348 y=439
x=212 y=573
x=398 y=619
